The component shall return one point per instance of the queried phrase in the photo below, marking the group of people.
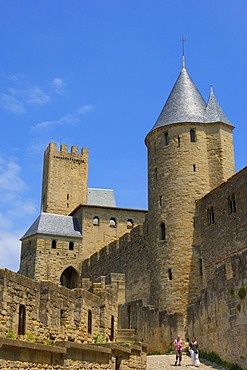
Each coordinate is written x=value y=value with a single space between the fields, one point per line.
x=193 y=349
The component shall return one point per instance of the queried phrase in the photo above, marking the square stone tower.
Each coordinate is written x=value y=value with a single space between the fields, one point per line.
x=65 y=179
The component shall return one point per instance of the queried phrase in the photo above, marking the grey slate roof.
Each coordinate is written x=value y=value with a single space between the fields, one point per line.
x=185 y=104
x=214 y=112
x=101 y=197
x=52 y=224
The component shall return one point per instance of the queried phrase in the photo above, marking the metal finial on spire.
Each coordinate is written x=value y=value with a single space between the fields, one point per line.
x=211 y=89
x=183 y=59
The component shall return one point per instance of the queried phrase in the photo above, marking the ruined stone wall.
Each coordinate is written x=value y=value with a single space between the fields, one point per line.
x=53 y=312
x=218 y=318
x=98 y=228
x=65 y=179
x=128 y=255
x=16 y=354
x=227 y=234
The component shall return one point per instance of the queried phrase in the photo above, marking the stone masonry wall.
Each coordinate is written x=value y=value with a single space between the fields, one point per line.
x=227 y=234
x=54 y=312
x=218 y=318
x=96 y=236
x=128 y=255
x=40 y=261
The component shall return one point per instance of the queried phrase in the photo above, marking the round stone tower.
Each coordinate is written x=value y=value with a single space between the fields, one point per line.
x=190 y=152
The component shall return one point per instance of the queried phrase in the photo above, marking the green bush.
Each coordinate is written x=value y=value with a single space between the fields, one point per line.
x=242 y=292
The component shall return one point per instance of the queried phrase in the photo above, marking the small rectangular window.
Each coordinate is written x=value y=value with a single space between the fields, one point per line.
x=210 y=215
x=166 y=138
x=232 y=204
x=194 y=168
x=200 y=267
x=192 y=136
x=22 y=320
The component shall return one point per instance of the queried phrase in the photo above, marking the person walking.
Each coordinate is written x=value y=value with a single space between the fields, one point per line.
x=194 y=352
x=178 y=344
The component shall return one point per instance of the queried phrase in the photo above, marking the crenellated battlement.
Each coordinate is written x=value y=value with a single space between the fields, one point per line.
x=52 y=148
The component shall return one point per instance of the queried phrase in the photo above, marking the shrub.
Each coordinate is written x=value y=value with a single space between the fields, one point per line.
x=242 y=292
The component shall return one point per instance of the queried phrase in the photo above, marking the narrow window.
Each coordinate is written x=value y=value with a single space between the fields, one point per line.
x=22 y=320
x=155 y=173
x=170 y=274
x=161 y=200
x=54 y=244
x=71 y=246
x=112 y=329
x=192 y=136
x=96 y=221
x=200 y=267
x=62 y=318
x=166 y=139
x=232 y=204
x=113 y=222
x=89 y=322
x=194 y=168
x=67 y=196
x=162 y=231
x=210 y=215
x=155 y=148
x=130 y=223
x=179 y=141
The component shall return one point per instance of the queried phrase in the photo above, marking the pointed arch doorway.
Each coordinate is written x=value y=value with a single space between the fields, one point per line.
x=70 y=278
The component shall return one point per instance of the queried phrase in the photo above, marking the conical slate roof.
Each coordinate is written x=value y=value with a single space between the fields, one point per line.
x=214 y=112
x=185 y=104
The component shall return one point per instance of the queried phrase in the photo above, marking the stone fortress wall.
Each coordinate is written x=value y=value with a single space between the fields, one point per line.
x=128 y=255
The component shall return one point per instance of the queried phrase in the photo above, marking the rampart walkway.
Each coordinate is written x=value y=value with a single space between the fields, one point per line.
x=164 y=362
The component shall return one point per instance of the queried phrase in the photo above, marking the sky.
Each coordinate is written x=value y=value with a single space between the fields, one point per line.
x=96 y=74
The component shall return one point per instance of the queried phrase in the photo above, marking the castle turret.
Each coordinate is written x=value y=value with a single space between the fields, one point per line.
x=65 y=179
x=190 y=152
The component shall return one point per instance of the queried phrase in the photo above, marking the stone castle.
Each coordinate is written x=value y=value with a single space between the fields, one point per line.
x=90 y=268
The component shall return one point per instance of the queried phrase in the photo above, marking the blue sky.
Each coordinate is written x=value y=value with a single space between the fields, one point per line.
x=96 y=73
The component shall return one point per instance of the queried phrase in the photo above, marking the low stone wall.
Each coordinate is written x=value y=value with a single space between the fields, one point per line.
x=17 y=354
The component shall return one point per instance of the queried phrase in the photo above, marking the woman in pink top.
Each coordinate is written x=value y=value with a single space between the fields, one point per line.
x=178 y=344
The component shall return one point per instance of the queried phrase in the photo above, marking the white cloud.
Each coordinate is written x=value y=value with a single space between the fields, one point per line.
x=15 y=208
x=10 y=180
x=68 y=119
x=12 y=104
x=58 y=86
x=10 y=249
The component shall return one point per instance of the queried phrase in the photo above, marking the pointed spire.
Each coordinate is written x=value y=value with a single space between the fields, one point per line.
x=214 y=112
x=184 y=104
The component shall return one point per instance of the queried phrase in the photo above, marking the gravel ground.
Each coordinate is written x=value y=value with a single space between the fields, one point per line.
x=163 y=362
